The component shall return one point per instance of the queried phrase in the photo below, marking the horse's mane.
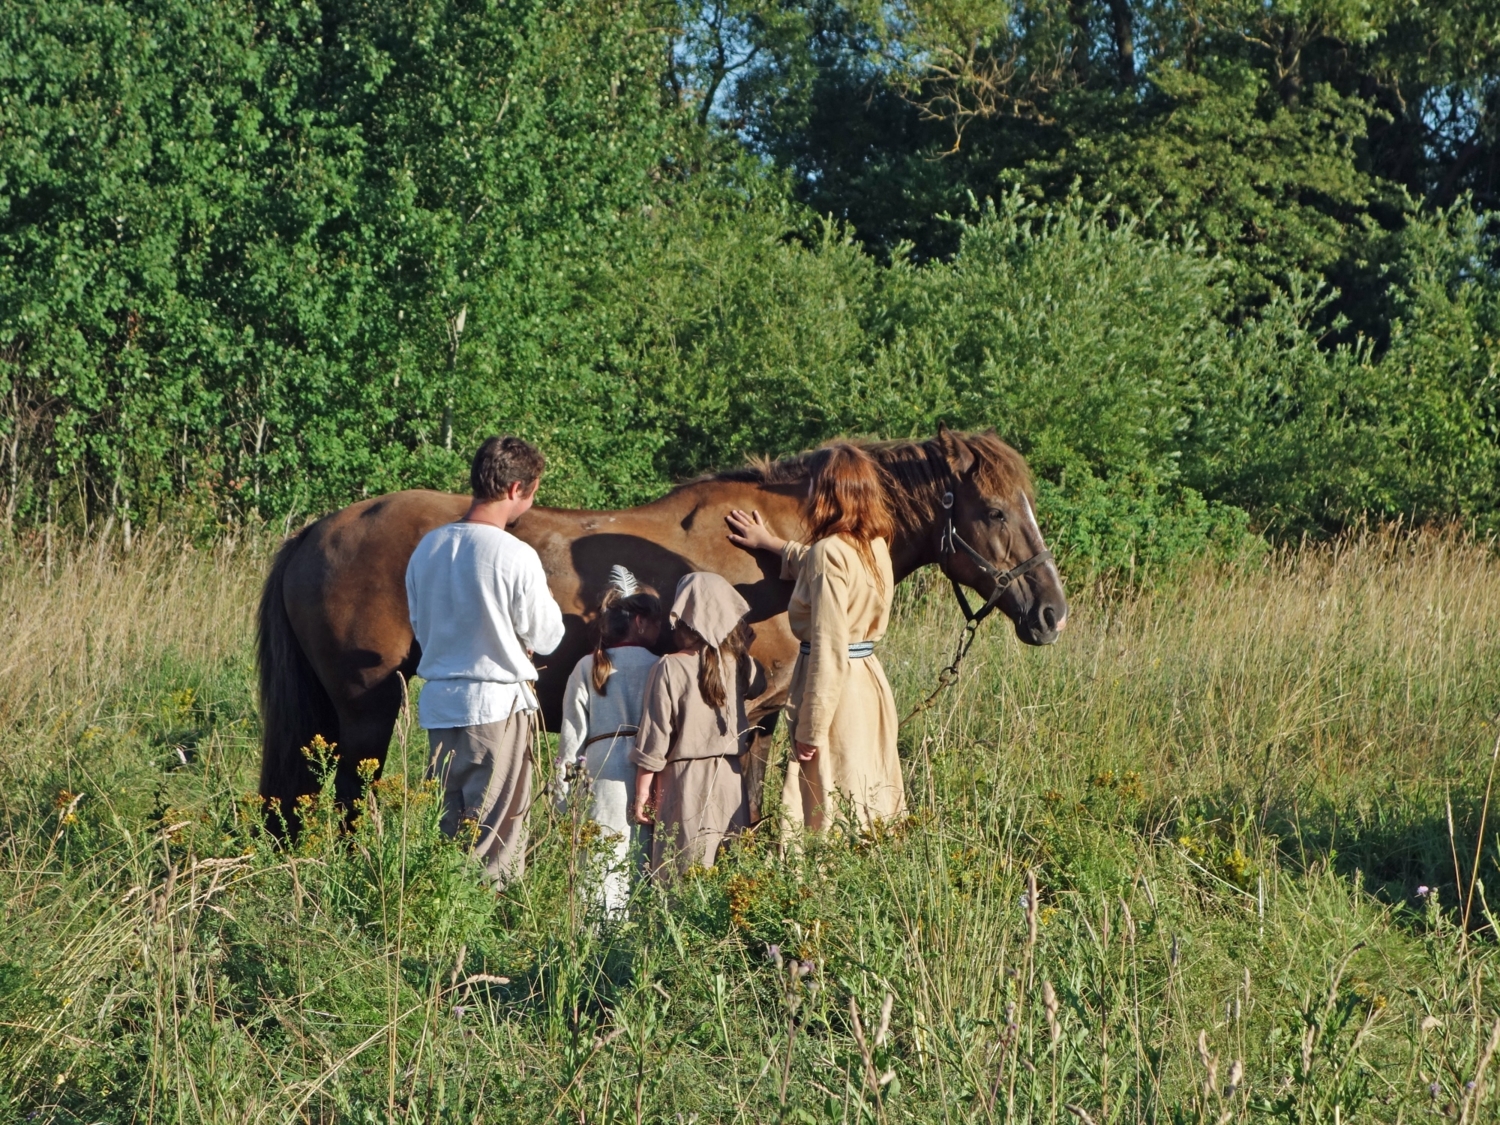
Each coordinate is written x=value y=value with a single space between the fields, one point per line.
x=915 y=466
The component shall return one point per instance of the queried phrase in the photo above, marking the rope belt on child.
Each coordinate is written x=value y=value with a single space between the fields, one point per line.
x=857 y=651
x=618 y=732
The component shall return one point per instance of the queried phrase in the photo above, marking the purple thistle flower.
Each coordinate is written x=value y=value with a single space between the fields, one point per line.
x=1423 y=891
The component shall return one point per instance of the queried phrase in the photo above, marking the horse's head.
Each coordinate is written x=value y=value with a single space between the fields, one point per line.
x=988 y=538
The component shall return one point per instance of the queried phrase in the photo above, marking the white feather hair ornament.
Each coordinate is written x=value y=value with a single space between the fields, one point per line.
x=621 y=580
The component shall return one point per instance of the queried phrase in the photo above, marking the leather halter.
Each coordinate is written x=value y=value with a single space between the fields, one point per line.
x=952 y=542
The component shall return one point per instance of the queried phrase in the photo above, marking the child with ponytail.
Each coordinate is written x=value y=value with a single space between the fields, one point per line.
x=693 y=728
x=601 y=717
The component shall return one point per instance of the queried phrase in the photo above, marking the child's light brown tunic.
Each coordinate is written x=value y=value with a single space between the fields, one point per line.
x=695 y=750
x=841 y=705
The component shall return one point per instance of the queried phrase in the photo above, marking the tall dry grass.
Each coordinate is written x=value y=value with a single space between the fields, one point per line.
x=81 y=630
x=1167 y=870
x=1370 y=664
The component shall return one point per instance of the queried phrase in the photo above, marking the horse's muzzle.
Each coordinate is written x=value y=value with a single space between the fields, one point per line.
x=1043 y=621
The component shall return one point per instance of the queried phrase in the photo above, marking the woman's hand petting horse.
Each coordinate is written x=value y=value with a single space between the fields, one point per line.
x=749 y=530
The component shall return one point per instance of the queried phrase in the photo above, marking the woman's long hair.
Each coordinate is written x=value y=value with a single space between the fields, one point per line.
x=716 y=664
x=850 y=497
x=616 y=613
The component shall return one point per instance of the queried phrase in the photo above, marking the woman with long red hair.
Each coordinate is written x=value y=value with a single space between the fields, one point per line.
x=841 y=711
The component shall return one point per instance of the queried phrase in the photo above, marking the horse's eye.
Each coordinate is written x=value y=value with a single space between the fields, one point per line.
x=997 y=515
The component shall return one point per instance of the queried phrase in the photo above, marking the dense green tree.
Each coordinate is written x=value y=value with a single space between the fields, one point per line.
x=1308 y=437
x=268 y=255
x=1289 y=137
x=1195 y=261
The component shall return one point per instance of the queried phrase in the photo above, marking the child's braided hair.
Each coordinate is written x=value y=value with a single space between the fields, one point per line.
x=624 y=601
x=715 y=664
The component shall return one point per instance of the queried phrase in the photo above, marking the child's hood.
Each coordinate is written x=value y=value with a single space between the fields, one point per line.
x=708 y=605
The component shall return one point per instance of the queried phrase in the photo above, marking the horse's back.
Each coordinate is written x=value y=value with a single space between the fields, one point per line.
x=346 y=588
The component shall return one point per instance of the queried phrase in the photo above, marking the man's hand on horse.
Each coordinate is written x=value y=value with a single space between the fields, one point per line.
x=749 y=530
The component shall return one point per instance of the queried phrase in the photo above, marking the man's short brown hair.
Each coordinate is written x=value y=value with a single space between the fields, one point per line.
x=501 y=462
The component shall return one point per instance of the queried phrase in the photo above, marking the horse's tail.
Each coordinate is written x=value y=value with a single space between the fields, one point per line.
x=294 y=706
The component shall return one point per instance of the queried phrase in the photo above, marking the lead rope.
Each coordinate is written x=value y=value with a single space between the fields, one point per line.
x=949 y=675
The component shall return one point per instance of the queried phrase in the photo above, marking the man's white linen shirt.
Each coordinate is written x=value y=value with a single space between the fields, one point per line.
x=478 y=600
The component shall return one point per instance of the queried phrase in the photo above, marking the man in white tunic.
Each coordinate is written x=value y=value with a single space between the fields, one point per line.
x=480 y=607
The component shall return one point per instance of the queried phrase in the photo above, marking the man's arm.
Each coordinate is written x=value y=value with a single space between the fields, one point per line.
x=534 y=613
x=413 y=602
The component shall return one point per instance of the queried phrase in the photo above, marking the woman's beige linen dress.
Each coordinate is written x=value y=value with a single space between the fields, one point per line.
x=841 y=704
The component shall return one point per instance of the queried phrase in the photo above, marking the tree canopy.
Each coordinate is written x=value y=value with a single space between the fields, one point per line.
x=1203 y=263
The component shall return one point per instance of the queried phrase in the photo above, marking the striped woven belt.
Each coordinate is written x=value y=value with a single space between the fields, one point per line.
x=857 y=651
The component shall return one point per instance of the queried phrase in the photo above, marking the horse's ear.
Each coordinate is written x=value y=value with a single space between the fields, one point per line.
x=956 y=451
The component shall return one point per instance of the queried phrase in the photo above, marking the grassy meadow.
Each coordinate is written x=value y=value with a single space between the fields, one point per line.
x=1207 y=860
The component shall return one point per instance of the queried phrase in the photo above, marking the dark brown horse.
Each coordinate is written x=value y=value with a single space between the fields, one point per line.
x=335 y=641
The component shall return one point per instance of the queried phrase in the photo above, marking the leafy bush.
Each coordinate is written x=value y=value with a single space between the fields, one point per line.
x=1307 y=436
x=263 y=260
x=1080 y=341
x=264 y=257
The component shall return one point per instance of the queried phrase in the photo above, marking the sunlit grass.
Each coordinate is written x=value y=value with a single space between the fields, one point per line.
x=1204 y=860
